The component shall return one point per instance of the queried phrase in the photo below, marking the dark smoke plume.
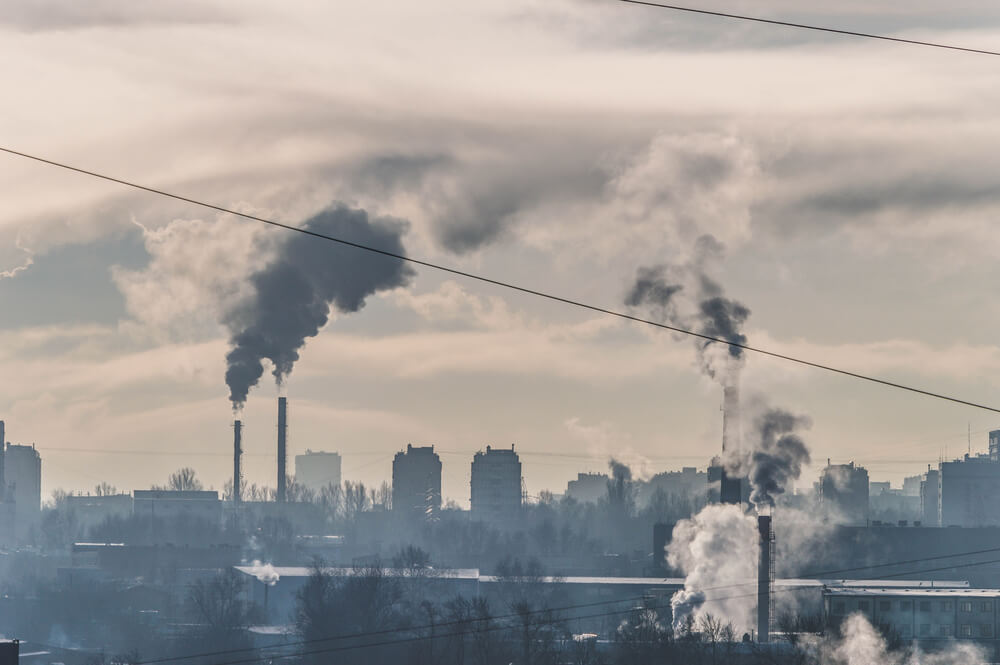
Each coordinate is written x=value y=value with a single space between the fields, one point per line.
x=712 y=314
x=776 y=458
x=293 y=294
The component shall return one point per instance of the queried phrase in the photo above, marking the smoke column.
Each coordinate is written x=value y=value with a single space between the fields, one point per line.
x=293 y=294
x=686 y=297
x=775 y=458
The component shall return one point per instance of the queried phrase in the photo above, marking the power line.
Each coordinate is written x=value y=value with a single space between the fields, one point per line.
x=805 y=26
x=497 y=282
x=806 y=575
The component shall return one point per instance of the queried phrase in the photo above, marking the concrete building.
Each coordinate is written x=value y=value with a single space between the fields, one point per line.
x=316 y=470
x=175 y=504
x=924 y=615
x=588 y=487
x=970 y=491
x=90 y=511
x=995 y=445
x=844 y=493
x=416 y=482
x=911 y=485
x=689 y=481
x=23 y=473
x=496 y=486
x=930 y=498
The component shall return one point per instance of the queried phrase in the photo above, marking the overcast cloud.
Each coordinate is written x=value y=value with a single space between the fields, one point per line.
x=853 y=183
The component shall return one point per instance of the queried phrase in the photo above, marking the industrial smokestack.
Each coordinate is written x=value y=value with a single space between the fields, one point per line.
x=282 y=433
x=765 y=578
x=3 y=447
x=237 y=454
x=731 y=489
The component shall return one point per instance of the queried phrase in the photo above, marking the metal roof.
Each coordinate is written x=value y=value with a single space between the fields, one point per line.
x=925 y=592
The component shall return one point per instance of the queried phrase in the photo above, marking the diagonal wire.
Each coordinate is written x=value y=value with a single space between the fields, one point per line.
x=500 y=283
x=805 y=26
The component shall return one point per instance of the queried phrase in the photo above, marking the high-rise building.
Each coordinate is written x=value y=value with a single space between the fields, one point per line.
x=496 y=485
x=23 y=472
x=970 y=491
x=995 y=445
x=844 y=493
x=930 y=498
x=316 y=470
x=588 y=487
x=416 y=481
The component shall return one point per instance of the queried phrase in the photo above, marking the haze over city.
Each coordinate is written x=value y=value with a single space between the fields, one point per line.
x=818 y=182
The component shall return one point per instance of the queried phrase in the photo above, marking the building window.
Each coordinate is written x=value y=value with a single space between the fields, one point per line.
x=925 y=606
x=966 y=630
x=945 y=630
x=906 y=605
x=946 y=606
x=925 y=629
x=838 y=607
x=985 y=630
x=863 y=605
x=965 y=606
x=986 y=606
x=884 y=606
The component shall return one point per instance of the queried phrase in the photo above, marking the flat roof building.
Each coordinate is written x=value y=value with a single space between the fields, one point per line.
x=970 y=491
x=844 y=493
x=496 y=486
x=23 y=473
x=317 y=469
x=416 y=482
x=925 y=615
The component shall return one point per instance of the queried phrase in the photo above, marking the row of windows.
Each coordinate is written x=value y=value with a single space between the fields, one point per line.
x=965 y=606
x=945 y=630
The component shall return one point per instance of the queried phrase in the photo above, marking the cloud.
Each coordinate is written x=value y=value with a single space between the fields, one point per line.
x=44 y=15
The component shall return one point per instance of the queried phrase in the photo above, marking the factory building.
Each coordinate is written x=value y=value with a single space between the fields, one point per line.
x=177 y=504
x=416 y=482
x=924 y=614
x=844 y=493
x=496 y=486
x=316 y=470
x=89 y=511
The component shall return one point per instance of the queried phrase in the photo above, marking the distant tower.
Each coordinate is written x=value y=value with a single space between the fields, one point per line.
x=730 y=489
x=282 y=434
x=237 y=452
x=24 y=473
x=496 y=486
x=416 y=482
x=3 y=481
x=765 y=577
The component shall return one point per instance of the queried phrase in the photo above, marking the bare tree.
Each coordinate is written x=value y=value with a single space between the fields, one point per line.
x=105 y=489
x=184 y=480
x=221 y=612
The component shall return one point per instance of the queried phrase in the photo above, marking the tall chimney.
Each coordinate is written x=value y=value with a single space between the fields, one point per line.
x=3 y=448
x=237 y=453
x=765 y=578
x=730 y=489
x=282 y=433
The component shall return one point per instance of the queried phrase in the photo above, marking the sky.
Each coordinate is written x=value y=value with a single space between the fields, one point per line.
x=852 y=185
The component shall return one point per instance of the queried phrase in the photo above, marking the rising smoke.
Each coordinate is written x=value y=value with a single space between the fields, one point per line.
x=717 y=551
x=718 y=547
x=775 y=457
x=687 y=297
x=292 y=296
